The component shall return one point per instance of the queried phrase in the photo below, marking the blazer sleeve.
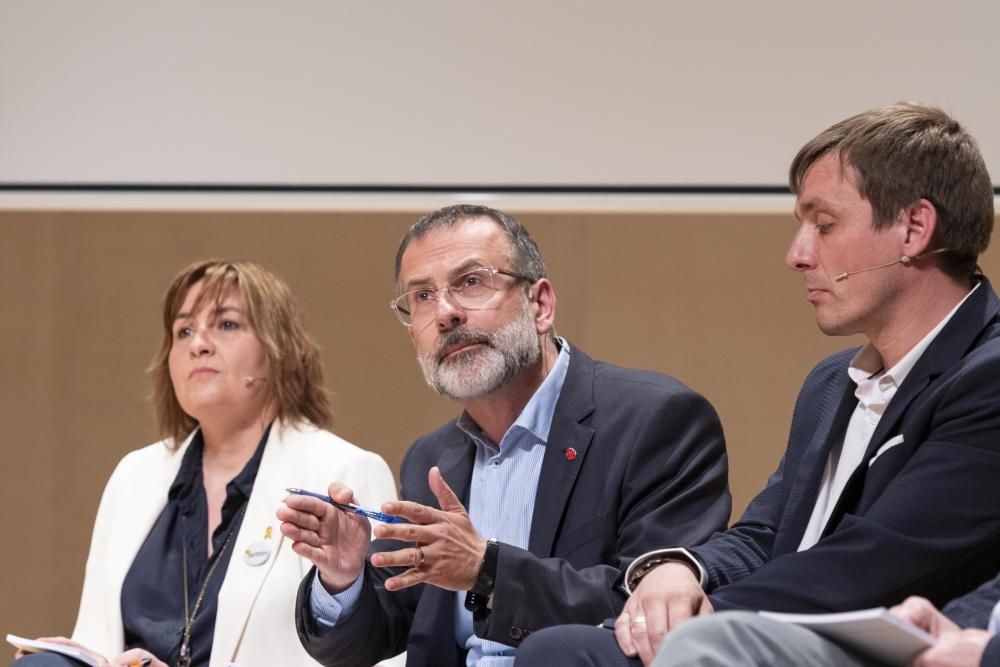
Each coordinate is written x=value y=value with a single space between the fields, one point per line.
x=732 y=555
x=674 y=489
x=933 y=528
x=98 y=622
x=377 y=628
x=974 y=609
x=991 y=656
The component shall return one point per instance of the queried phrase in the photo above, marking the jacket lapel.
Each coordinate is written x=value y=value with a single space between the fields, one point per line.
x=144 y=507
x=836 y=408
x=456 y=466
x=559 y=472
x=434 y=620
x=951 y=344
x=243 y=582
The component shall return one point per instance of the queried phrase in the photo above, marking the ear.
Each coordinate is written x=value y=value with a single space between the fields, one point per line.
x=543 y=305
x=919 y=221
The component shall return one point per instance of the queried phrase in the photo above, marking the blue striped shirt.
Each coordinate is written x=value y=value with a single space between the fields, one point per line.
x=502 y=493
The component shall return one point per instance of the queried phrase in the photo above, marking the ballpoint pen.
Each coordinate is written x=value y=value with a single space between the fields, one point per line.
x=349 y=507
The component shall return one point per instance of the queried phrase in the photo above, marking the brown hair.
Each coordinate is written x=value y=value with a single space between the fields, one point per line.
x=906 y=152
x=295 y=374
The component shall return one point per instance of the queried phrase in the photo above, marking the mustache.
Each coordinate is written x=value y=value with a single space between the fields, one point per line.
x=461 y=337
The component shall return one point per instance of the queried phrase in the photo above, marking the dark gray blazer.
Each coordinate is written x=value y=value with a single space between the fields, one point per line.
x=650 y=469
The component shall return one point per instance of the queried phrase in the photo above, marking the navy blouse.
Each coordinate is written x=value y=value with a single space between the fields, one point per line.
x=153 y=591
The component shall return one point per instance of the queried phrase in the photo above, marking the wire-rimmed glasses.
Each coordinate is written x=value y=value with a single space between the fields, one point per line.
x=470 y=289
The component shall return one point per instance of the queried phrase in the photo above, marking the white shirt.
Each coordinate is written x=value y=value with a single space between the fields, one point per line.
x=875 y=389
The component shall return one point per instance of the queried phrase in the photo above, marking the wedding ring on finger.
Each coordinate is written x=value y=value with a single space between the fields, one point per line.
x=420 y=556
x=639 y=620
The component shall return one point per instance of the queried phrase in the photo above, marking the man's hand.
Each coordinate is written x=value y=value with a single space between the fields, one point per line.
x=334 y=540
x=923 y=614
x=667 y=596
x=448 y=551
x=955 y=648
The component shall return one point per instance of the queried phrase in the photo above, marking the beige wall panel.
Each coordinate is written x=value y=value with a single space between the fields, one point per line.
x=705 y=298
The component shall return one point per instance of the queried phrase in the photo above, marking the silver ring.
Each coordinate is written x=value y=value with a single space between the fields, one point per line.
x=639 y=620
x=420 y=556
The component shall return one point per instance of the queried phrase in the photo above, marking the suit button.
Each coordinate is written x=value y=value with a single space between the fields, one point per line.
x=516 y=633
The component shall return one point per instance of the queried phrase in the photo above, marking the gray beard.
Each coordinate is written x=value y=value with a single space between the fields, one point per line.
x=503 y=355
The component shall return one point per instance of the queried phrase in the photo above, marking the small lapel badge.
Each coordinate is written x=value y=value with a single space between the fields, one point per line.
x=570 y=453
x=258 y=552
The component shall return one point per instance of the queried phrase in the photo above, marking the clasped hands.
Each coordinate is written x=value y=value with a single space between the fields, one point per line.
x=671 y=594
x=447 y=551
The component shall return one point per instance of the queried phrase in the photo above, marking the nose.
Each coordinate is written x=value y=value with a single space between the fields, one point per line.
x=801 y=255
x=447 y=313
x=201 y=343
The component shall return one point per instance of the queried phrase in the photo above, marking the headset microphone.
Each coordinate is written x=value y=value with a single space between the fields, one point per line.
x=905 y=259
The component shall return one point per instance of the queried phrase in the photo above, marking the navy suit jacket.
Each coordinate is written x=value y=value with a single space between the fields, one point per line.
x=918 y=518
x=650 y=468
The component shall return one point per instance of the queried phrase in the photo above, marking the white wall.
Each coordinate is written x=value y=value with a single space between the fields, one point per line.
x=575 y=92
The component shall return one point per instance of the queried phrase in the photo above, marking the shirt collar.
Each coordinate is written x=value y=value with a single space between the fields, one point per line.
x=867 y=363
x=189 y=475
x=536 y=416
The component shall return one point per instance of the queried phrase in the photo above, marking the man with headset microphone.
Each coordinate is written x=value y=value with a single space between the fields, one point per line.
x=888 y=486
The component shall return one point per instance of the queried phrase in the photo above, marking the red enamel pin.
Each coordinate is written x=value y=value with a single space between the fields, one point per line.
x=570 y=453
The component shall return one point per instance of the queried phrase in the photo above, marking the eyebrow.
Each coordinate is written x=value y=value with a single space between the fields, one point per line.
x=810 y=205
x=218 y=311
x=466 y=266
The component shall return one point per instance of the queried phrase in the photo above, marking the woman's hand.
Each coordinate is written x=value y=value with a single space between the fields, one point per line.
x=65 y=642
x=134 y=658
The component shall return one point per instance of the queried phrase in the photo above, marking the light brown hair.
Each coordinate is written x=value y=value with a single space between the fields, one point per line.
x=906 y=152
x=295 y=374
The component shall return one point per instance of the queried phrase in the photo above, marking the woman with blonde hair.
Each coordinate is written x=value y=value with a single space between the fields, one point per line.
x=187 y=565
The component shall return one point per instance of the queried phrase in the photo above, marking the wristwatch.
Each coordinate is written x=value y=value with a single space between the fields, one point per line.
x=478 y=597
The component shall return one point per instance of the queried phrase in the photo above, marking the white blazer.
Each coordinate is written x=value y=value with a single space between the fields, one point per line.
x=255 y=625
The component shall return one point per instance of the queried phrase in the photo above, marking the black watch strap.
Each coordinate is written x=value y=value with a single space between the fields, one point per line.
x=478 y=597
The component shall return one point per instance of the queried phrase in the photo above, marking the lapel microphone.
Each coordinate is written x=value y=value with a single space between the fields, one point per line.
x=905 y=259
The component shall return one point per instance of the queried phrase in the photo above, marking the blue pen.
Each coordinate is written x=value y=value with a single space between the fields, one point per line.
x=349 y=507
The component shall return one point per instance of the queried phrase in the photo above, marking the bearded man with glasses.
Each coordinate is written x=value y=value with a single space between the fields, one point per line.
x=522 y=512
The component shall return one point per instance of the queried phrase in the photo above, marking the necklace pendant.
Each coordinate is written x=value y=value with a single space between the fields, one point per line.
x=184 y=659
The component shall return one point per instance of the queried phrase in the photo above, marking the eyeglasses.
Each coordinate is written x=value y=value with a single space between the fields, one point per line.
x=469 y=290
